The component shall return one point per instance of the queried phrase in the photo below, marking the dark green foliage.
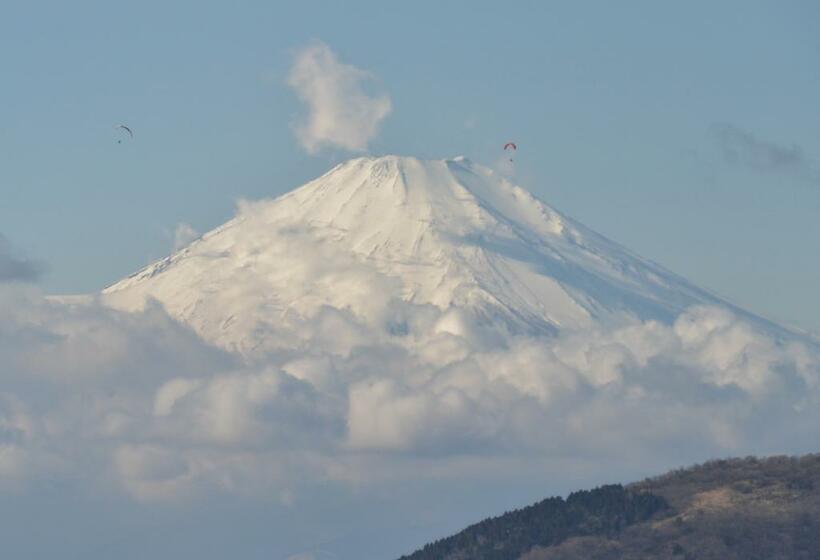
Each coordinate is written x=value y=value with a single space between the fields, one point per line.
x=603 y=511
x=734 y=509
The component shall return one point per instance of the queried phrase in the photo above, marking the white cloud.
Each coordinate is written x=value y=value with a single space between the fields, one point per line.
x=16 y=427
x=152 y=472
x=137 y=403
x=146 y=392
x=341 y=112
x=183 y=235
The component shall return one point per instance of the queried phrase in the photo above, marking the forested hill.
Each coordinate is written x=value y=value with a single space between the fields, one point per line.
x=603 y=511
x=738 y=509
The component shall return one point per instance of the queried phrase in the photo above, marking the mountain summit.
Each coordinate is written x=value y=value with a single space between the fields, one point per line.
x=373 y=234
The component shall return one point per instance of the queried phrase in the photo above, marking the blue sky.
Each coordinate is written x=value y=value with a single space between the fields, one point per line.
x=613 y=106
x=688 y=132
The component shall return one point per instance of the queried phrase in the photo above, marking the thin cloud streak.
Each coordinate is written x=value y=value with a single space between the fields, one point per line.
x=741 y=147
x=183 y=235
x=15 y=269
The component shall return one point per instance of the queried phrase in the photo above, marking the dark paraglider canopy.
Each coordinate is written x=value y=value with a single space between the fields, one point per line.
x=126 y=129
x=510 y=146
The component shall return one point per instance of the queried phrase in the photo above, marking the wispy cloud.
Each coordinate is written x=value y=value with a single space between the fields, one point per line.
x=16 y=269
x=183 y=235
x=303 y=556
x=341 y=113
x=741 y=147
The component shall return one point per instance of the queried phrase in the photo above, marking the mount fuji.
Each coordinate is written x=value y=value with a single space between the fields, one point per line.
x=377 y=234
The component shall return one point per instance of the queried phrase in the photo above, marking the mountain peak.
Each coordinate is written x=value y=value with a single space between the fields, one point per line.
x=454 y=195
x=376 y=232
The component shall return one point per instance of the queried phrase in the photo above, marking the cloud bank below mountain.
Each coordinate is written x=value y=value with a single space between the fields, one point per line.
x=366 y=371
x=138 y=401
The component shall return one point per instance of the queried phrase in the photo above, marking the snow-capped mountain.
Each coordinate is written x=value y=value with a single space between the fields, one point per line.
x=373 y=233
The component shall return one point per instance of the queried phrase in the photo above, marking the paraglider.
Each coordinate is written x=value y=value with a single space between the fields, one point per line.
x=512 y=147
x=126 y=129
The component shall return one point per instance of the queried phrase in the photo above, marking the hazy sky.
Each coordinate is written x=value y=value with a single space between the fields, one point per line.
x=687 y=132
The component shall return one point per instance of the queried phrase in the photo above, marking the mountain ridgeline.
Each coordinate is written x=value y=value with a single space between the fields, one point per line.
x=603 y=511
x=446 y=234
x=738 y=509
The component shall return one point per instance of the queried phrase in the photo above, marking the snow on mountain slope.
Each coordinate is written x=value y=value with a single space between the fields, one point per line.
x=399 y=323
x=374 y=234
